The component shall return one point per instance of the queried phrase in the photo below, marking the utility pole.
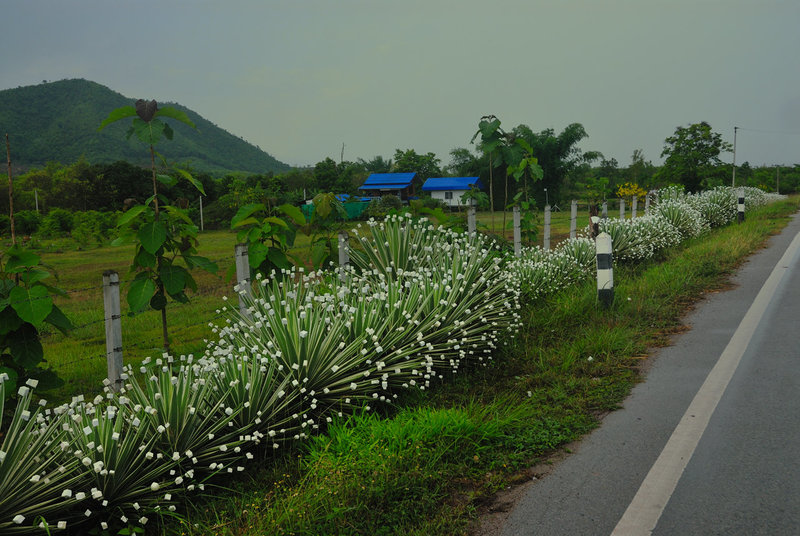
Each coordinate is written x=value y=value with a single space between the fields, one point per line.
x=778 y=180
x=733 y=180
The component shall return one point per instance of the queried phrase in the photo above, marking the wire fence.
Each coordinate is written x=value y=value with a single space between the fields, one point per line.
x=140 y=335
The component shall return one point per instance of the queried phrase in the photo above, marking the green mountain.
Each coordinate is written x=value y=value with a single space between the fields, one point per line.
x=57 y=121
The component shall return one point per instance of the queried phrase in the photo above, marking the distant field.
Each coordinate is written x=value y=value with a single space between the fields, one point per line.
x=80 y=357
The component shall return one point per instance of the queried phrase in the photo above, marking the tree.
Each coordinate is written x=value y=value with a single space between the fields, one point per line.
x=424 y=165
x=641 y=171
x=376 y=165
x=558 y=155
x=693 y=155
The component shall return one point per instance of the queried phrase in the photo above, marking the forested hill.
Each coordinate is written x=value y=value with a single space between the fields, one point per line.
x=58 y=121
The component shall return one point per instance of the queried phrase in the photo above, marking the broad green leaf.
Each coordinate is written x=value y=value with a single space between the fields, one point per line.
x=174 y=113
x=245 y=222
x=31 y=304
x=167 y=180
x=152 y=236
x=180 y=297
x=294 y=213
x=318 y=254
x=278 y=258
x=32 y=276
x=256 y=253
x=168 y=133
x=145 y=259
x=139 y=294
x=25 y=347
x=130 y=214
x=191 y=284
x=178 y=213
x=158 y=301
x=188 y=176
x=173 y=277
x=149 y=133
x=277 y=221
x=245 y=212
x=20 y=259
x=196 y=261
x=116 y=115
x=9 y=320
x=48 y=379
x=59 y=320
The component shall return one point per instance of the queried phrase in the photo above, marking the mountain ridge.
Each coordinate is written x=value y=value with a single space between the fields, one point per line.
x=58 y=121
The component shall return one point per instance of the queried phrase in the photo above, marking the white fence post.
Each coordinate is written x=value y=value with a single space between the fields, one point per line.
x=740 y=206
x=113 y=316
x=546 y=227
x=344 y=249
x=622 y=209
x=242 y=277
x=605 y=269
x=604 y=213
x=634 y=204
x=471 y=220
x=647 y=204
x=517 y=233
x=573 y=218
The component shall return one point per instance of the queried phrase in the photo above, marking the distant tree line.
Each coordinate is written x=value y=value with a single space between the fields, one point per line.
x=692 y=159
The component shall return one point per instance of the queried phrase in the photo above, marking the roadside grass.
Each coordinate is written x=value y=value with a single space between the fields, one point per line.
x=428 y=465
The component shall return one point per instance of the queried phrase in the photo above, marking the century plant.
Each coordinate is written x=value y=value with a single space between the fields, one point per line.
x=161 y=233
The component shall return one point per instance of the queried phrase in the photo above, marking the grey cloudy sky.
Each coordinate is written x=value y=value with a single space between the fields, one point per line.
x=299 y=78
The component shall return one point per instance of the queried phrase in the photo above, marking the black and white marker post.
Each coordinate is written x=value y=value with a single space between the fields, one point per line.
x=740 y=194
x=605 y=270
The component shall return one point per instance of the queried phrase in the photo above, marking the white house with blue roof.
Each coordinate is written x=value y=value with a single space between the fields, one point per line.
x=450 y=189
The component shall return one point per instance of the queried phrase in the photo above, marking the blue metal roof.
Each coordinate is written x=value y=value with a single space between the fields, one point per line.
x=451 y=183
x=394 y=181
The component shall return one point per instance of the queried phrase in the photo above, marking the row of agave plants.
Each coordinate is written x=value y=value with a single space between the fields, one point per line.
x=418 y=303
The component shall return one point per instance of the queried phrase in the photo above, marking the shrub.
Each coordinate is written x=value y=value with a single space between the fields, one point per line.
x=380 y=208
x=26 y=222
x=57 y=222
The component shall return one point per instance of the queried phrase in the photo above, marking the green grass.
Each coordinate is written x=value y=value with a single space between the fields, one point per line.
x=427 y=466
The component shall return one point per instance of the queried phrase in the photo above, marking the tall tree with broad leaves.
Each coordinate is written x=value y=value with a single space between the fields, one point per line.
x=692 y=155
x=162 y=234
x=557 y=154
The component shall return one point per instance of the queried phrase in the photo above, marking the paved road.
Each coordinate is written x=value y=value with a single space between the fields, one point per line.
x=710 y=443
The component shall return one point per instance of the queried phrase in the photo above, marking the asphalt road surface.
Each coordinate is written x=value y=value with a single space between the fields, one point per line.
x=710 y=442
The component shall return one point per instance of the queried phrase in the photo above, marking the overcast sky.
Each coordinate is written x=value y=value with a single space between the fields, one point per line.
x=299 y=78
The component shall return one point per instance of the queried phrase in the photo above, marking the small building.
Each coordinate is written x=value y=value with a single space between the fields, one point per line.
x=450 y=189
x=379 y=184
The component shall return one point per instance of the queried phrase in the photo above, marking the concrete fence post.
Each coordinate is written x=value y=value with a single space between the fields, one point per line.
x=622 y=209
x=471 y=220
x=546 y=243
x=740 y=205
x=243 y=277
x=517 y=233
x=605 y=270
x=647 y=204
x=113 y=316
x=344 y=249
x=573 y=219
x=634 y=205
x=604 y=213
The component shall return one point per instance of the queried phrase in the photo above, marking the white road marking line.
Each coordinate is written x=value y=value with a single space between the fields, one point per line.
x=645 y=509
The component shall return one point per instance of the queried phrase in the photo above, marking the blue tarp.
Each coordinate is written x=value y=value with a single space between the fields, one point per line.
x=387 y=181
x=451 y=183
